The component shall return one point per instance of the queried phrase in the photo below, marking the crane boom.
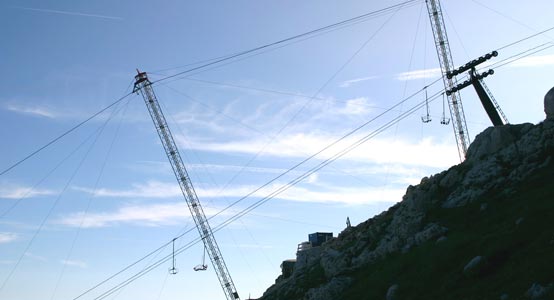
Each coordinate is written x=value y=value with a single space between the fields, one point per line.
x=144 y=85
x=447 y=65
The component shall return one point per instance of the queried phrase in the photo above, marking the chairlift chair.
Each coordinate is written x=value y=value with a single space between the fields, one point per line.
x=426 y=118
x=173 y=270
x=203 y=266
x=444 y=119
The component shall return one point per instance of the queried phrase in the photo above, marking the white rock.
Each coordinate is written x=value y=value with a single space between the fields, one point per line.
x=549 y=104
x=392 y=292
x=473 y=265
x=537 y=291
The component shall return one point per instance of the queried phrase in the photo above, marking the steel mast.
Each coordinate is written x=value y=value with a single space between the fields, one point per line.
x=144 y=85
x=446 y=64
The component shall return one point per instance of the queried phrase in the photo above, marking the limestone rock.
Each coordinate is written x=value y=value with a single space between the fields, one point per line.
x=392 y=292
x=499 y=159
x=431 y=231
x=474 y=265
x=441 y=239
x=549 y=104
x=329 y=291
x=334 y=262
x=537 y=291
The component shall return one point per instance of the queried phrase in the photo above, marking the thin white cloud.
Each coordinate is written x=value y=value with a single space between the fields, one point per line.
x=426 y=152
x=357 y=169
x=36 y=257
x=142 y=215
x=74 y=263
x=7 y=237
x=344 y=195
x=71 y=13
x=152 y=189
x=356 y=106
x=7 y=262
x=349 y=83
x=248 y=246
x=418 y=74
x=535 y=61
x=8 y=191
x=158 y=214
x=34 y=110
x=176 y=213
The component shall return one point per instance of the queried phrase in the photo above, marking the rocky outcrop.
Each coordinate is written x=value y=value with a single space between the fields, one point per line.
x=549 y=104
x=497 y=160
x=537 y=291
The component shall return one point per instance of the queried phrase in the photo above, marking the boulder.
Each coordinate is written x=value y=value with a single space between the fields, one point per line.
x=474 y=266
x=329 y=291
x=549 y=104
x=392 y=292
x=537 y=291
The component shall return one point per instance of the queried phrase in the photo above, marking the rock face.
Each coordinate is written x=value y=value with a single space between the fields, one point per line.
x=498 y=159
x=549 y=104
x=474 y=265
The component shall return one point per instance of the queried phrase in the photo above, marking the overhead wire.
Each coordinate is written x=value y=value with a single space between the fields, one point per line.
x=311 y=99
x=525 y=38
x=53 y=141
x=295 y=37
x=53 y=206
x=89 y=202
x=17 y=163
x=287 y=186
x=48 y=174
x=506 y=16
x=274 y=193
x=348 y=61
x=266 y=90
x=251 y=207
x=521 y=55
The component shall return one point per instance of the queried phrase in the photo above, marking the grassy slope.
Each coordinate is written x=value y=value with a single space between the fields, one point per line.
x=517 y=255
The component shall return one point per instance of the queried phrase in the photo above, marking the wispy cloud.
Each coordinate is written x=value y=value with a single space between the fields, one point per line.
x=355 y=106
x=176 y=213
x=248 y=246
x=7 y=237
x=36 y=257
x=344 y=195
x=311 y=192
x=34 y=110
x=426 y=152
x=418 y=74
x=7 y=262
x=138 y=215
x=351 y=82
x=70 y=13
x=74 y=263
x=535 y=61
x=152 y=189
x=8 y=191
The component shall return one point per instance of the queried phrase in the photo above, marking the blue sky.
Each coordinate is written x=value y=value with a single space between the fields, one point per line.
x=104 y=196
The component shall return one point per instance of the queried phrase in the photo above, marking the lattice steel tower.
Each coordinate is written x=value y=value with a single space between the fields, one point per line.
x=446 y=64
x=144 y=85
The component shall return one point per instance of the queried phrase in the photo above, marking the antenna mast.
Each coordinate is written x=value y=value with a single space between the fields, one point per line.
x=144 y=85
x=446 y=64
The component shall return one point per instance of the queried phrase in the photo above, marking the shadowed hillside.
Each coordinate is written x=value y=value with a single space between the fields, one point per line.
x=484 y=229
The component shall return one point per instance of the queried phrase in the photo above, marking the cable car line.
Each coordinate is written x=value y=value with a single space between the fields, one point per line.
x=228 y=221
x=269 y=197
x=392 y=108
x=311 y=32
x=63 y=134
